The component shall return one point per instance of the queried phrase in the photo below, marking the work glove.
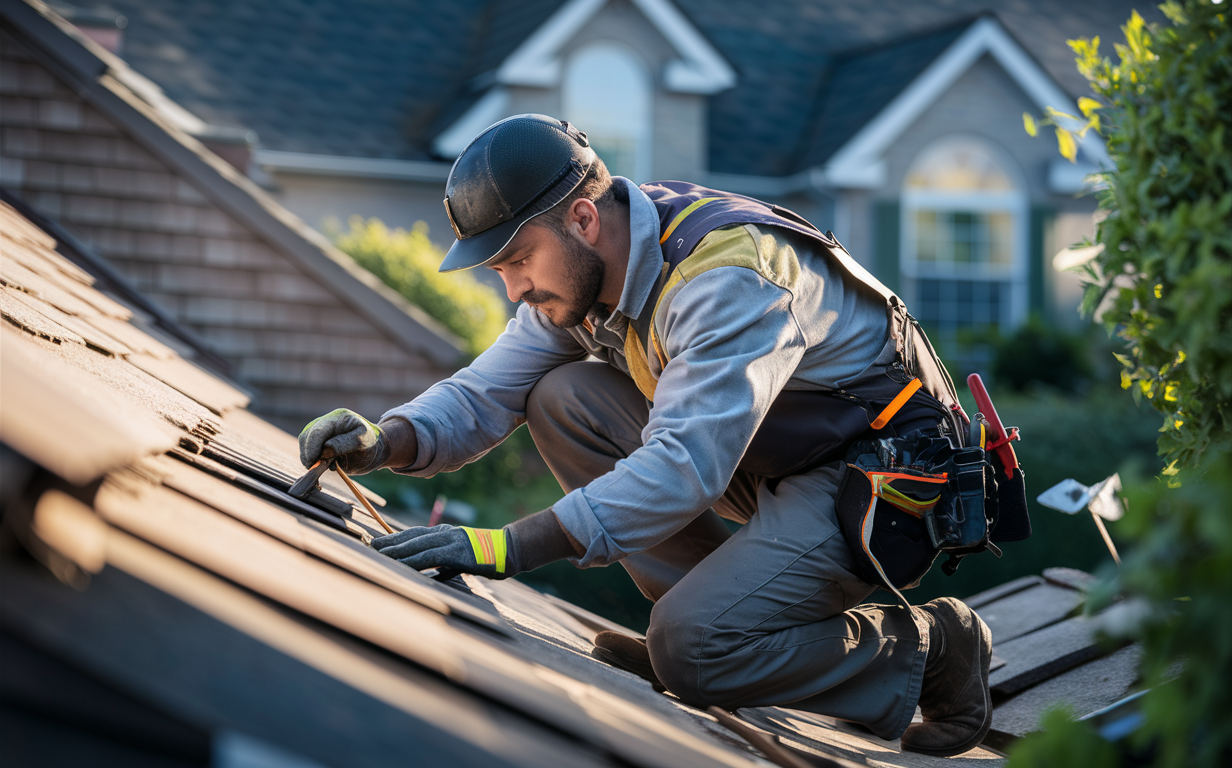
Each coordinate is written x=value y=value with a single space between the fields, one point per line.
x=482 y=551
x=357 y=444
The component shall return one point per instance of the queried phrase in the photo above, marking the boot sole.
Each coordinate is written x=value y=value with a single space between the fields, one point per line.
x=984 y=653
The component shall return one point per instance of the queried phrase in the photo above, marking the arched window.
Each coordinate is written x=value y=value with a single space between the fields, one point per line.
x=606 y=92
x=964 y=233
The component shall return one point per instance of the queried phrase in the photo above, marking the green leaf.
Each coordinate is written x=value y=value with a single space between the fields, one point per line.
x=1028 y=123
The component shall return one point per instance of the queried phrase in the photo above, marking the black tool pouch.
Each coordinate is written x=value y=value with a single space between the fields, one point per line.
x=958 y=522
x=1008 y=496
x=884 y=497
x=903 y=501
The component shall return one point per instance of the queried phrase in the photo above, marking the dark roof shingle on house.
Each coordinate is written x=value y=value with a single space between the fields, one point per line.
x=382 y=80
x=165 y=599
x=91 y=143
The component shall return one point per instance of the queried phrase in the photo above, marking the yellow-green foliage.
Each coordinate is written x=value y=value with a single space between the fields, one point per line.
x=1166 y=267
x=407 y=262
x=1167 y=259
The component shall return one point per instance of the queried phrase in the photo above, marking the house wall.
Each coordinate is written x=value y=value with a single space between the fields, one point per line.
x=316 y=199
x=987 y=103
x=285 y=335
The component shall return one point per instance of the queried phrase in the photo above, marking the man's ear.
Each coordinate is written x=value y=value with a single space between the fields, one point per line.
x=584 y=220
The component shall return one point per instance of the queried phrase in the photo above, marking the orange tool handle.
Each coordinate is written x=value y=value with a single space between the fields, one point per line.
x=1000 y=443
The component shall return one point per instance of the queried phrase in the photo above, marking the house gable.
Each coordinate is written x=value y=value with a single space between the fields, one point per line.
x=859 y=162
x=694 y=68
x=700 y=68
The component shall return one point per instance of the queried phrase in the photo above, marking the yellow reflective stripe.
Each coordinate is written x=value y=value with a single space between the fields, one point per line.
x=724 y=247
x=898 y=402
x=488 y=545
x=639 y=365
x=681 y=217
x=907 y=504
x=658 y=348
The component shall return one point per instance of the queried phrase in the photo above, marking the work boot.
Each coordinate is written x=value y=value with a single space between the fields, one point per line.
x=954 y=698
x=627 y=653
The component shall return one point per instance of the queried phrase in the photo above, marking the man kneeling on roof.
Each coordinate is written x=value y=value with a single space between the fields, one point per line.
x=740 y=353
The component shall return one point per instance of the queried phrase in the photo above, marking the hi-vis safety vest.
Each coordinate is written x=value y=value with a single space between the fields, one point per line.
x=906 y=387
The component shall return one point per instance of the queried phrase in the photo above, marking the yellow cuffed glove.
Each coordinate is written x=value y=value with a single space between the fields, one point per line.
x=481 y=551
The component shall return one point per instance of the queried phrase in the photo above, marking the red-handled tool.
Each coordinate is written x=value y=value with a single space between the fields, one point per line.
x=1001 y=439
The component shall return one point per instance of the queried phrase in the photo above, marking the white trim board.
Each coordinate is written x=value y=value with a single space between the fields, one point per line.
x=858 y=163
x=700 y=68
x=357 y=167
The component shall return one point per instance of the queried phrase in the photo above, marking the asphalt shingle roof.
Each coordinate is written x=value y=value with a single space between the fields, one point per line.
x=368 y=78
x=861 y=83
x=164 y=592
x=784 y=53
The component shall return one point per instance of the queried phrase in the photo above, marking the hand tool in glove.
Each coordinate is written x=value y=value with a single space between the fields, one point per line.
x=358 y=446
x=457 y=549
x=311 y=482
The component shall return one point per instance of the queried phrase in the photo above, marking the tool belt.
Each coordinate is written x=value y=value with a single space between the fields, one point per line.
x=902 y=501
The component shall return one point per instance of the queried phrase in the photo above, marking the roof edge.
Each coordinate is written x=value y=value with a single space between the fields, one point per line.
x=858 y=164
x=308 y=163
x=108 y=277
x=93 y=71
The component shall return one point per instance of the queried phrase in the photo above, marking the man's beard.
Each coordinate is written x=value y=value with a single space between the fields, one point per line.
x=584 y=279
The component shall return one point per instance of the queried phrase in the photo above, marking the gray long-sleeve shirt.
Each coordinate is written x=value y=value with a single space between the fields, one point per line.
x=734 y=338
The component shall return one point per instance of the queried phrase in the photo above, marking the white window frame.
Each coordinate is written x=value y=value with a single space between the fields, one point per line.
x=1015 y=202
x=643 y=134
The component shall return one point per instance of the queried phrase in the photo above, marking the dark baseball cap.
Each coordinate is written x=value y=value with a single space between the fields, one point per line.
x=512 y=172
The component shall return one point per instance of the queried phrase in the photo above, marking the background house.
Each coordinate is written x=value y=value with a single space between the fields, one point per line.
x=93 y=145
x=897 y=124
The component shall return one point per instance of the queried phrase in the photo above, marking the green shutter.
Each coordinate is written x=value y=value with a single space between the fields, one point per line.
x=1039 y=299
x=886 y=227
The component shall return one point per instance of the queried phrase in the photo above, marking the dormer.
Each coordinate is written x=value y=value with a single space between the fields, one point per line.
x=633 y=74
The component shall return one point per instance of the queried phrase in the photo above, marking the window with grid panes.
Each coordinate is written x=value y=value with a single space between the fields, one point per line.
x=964 y=233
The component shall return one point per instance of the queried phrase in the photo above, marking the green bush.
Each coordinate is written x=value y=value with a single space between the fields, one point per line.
x=407 y=262
x=1038 y=354
x=1166 y=270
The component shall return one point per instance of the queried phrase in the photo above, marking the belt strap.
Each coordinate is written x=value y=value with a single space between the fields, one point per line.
x=896 y=404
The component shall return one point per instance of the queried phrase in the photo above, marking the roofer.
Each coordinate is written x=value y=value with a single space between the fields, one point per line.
x=741 y=353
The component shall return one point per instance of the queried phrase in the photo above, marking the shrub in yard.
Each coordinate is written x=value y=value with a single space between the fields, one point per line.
x=1038 y=353
x=1167 y=258
x=1165 y=109
x=407 y=262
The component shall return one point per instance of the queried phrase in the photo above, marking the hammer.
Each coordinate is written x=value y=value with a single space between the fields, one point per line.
x=311 y=481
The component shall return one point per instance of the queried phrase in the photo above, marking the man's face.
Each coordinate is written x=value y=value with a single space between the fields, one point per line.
x=557 y=273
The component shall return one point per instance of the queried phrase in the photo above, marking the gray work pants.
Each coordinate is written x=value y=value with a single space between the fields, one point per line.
x=766 y=616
